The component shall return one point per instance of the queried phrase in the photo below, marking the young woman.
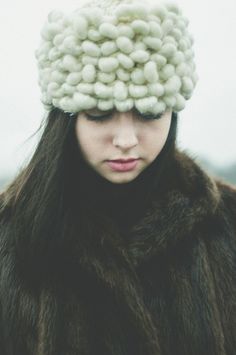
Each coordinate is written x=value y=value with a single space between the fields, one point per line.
x=112 y=240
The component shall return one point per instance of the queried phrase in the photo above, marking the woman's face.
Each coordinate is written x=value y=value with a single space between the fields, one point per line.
x=120 y=135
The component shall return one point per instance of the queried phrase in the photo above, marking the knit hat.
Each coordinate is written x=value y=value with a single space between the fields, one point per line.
x=117 y=54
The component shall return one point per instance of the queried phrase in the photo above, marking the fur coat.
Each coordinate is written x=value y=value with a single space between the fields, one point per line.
x=167 y=288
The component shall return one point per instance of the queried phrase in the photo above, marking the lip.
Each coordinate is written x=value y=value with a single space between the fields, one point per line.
x=124 y=160
x=122 y=165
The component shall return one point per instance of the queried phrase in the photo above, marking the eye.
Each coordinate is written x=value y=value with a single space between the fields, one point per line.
x=144 y=116
x=97 y=117
x=150 y=116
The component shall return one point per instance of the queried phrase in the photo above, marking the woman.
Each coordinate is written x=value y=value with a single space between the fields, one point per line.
x=104 y=257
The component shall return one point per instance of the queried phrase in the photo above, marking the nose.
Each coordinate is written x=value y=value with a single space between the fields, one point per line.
x=125 y=135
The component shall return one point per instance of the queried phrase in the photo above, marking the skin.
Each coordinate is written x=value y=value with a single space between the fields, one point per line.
x=121 y=135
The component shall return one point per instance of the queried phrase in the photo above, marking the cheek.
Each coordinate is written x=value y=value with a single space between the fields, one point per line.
x=88 y=140
x=154 y=139
x=83 y=138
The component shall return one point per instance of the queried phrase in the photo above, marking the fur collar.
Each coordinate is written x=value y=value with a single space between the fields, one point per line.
x=186 y=197
x=190 y=195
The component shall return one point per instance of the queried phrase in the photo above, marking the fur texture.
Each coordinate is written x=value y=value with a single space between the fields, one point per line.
x=178 y=264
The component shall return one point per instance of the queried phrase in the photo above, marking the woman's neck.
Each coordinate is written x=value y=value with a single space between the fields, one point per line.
x=123 y=203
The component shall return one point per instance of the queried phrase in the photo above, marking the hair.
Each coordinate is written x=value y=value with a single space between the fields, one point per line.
x=41 y=196
x=40 y=207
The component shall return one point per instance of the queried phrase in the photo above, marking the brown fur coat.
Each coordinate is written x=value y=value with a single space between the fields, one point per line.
x=167 y=288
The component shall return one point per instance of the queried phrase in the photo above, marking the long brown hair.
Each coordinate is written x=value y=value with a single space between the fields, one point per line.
x=41 y=210
x=44 y=194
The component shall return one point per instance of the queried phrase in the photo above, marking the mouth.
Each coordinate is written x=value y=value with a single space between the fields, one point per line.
x=124 y=160
x=123 y=165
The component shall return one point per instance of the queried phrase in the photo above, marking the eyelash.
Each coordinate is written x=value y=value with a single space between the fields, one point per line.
x=104 y=117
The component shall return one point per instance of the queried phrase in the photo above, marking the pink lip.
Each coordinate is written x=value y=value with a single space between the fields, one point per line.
x=118 y=165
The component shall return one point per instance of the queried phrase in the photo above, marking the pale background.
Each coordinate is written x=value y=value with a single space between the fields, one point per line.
x=208 y=123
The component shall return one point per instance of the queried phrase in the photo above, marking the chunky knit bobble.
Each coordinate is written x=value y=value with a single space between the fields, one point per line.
x=150 y=72
x=124 y=44
x=87 y=89
x=156 y=89
x=80 y=26
x=108 y=30
x=108 y=48
x=103 y=91
x=137 y=76
x=172 y=85
x=91 y=49
x=89 y=73
x=123 y=75
x=106 y=78
x=125 y=30
x=84 y=101
x=140 y=56
x=74 y=78
x=86 y=59
x=94 y=35
x=120 y=91
x=105 y=105
x=125 y=61
x=123 y=106
x=70 y=64
x=108 y=65
x=138 y=90
x=146 y=104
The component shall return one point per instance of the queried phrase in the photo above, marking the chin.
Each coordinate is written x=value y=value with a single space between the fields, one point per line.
x=121 y=179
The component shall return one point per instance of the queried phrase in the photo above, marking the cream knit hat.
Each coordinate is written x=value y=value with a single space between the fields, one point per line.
x=117 y=54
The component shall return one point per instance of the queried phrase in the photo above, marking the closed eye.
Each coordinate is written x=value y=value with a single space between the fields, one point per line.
x=97 y=117
x=145 y=116
x=149 y=116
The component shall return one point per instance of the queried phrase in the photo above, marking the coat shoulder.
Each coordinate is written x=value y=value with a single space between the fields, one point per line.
x=227 y=203
x=228 y=195
x=5 y=225
x=226 y=188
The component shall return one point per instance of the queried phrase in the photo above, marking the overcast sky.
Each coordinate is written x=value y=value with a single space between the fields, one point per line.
x=208 y=123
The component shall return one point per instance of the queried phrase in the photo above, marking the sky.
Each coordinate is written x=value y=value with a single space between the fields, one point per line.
x=207 y=126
